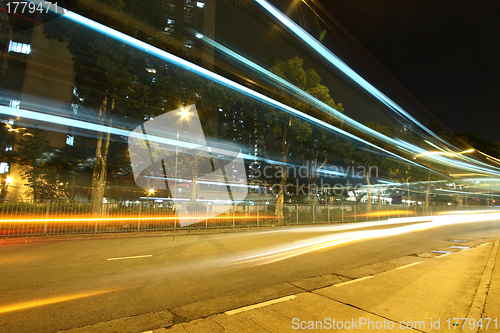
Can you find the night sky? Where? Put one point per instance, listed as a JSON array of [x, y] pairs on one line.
[[446, 53]]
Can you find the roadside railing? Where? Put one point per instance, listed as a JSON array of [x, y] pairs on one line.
[[30, 217]]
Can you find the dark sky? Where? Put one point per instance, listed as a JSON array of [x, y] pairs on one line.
[[446, 53]]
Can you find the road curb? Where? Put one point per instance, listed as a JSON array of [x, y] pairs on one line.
[[132, 234], [477, 307]]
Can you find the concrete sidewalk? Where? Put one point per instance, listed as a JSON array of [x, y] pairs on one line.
[[426, 295]]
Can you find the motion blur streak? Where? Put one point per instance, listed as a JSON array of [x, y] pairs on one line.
[[387, 213], [308, 98], [212, 76], [105, 30], [496, 160], [52, 300], [468, 212], [323, 242], [333, 59], [132, 219], [430, 153], [247, 91]]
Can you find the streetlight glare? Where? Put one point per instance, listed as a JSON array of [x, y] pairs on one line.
[[9, 180], [151, 191], [184, 113]]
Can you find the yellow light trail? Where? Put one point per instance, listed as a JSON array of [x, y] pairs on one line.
[[466, 151], [157, 218], [386, 213], [430, 153], [51, 300], [469, 174], [442, 153], [489, 157], [323, 242]]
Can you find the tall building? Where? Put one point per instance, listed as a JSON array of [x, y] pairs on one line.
[[36, 74], [194, 19]]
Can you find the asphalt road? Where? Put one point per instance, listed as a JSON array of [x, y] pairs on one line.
[[51, 286]]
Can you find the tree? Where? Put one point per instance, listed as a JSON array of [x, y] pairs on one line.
[[289, 132], [51, 173], [475, 140], [111, 77]]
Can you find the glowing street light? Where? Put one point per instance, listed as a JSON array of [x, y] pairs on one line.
[[5, 190], [184, 114], [151, 191]]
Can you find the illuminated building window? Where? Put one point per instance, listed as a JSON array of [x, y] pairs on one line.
[[4, 167], [200, 4], [19, 47], [15, 104]]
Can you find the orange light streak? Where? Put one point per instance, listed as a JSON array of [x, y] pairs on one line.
[[156, 218], [51, 300], [489, 156], [385, 213]]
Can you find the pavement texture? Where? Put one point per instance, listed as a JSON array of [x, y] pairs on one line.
[[448, 293]]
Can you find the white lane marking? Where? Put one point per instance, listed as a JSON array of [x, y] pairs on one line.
[[484, 244], [260, 305], [443, 255], [148, 255], [412, 264], [352, 281]]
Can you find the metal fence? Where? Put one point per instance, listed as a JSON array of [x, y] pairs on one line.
[[54, 217]]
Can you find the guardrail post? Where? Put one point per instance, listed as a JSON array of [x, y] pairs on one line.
[[257, 214], [297, 213], [206, 217], [314, 213], [139, 221], [355, 217], [342, 211], [233, 214], [46, 218], [328, 207]]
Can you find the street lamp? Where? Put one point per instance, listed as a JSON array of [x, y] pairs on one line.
[[184, 114], [151, 191], [5, 190]]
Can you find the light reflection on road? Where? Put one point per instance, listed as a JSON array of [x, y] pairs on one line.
[[285, 251]]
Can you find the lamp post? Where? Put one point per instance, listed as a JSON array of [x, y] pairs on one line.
[[184, 117], [175, 175]]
